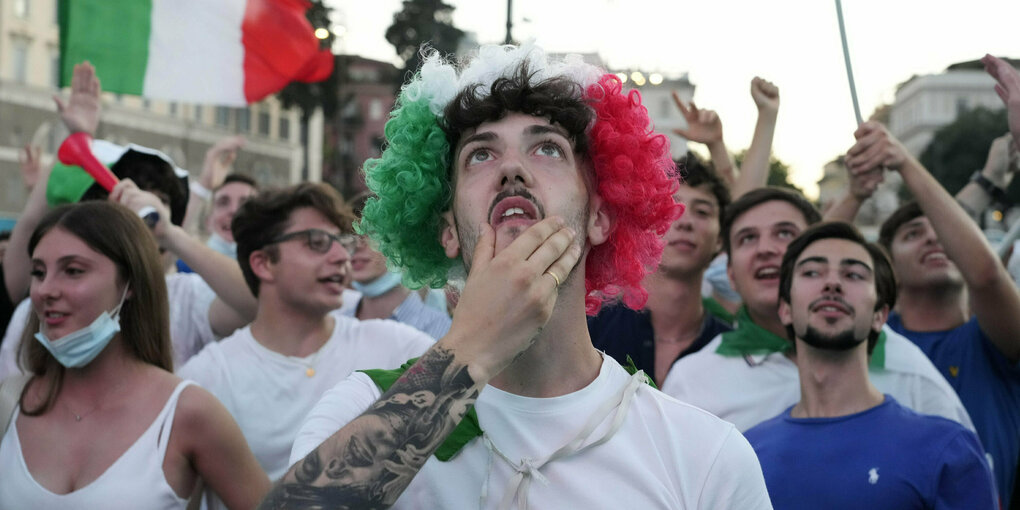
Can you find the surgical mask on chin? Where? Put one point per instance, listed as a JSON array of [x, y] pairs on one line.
[[223, 246], [79, 348], [380, 285]]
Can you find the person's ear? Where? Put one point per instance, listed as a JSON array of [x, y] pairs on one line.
[[600, 222], [785, 313], [261, 264], [448, 236], [879, 318]]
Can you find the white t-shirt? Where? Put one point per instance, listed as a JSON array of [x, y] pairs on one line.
[[748, 391], [666, 454], [190, 330], [270, 394]]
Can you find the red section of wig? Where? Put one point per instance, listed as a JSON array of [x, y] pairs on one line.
[[636, 178]]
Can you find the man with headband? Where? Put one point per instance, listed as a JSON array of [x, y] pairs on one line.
[[548, 174]]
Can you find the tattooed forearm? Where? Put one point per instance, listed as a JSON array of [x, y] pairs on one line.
[[370, 462]]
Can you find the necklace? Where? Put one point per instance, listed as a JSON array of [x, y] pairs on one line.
[[309, 362], [78, 417]]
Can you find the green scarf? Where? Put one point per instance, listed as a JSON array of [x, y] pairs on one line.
[[713, 307], [750, 338]]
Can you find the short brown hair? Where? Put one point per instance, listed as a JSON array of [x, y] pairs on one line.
[[120, 235], [885, 278], [906, 213], [266, 216]]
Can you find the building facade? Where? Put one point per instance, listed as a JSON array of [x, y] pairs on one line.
[[30, 77], [926, 103]]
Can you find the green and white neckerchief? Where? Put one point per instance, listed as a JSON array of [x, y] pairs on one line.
[[754, 343]]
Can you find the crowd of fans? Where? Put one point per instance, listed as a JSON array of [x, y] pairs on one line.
[[272, 345]]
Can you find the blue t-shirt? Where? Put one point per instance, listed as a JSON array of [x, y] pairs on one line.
[[887, 457], [620, 332], [988, 385]]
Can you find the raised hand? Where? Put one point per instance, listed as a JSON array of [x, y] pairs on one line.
[[874, 149], [515, 282], [219, 160], [765, 94], [998, 167], [1007, 85], [31, 167], [128, 194], [81, 111], [703, 126]]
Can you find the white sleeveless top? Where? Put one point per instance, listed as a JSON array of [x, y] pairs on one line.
[[135, 480]]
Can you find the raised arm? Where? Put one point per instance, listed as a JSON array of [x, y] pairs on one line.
[[998, 171], [79, 113], [369, 462], [219, 271], [860, 188], [704, 126], [994, 297], [217, 164], [17, 265], [1007, 85], [754, 170]]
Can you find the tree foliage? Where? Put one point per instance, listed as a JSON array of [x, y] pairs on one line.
[[779, 172], [419, 22], [958, 149]]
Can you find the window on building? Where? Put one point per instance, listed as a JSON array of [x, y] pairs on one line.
[[21, 9], [146, 103], [284, 128], [264, 123], [54, 69], [375, 109], [243, 120], [222, 116], [961, 106], [19, 59], [173, 108], [197, 113]]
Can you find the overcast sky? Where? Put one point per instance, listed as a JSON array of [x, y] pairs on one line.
[[724, 43]]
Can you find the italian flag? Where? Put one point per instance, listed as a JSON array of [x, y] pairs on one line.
[[226, 52]]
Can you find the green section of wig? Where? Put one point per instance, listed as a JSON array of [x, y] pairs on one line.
[[412, 190]]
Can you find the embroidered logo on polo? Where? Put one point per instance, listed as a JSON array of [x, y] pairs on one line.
[[873, 475]]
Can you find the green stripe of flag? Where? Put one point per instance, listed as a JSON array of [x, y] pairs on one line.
[[113, 35]]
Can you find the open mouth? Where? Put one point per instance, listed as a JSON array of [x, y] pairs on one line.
[[516, 207], [831, 306], [767, 273], [934, 256]]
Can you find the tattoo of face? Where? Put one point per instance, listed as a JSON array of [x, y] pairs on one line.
[[370, 462]]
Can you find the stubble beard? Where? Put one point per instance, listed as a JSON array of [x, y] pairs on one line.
[[842, 341]]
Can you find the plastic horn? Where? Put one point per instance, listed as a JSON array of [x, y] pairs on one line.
[[77, 151]]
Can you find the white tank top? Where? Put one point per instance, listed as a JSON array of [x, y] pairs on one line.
[[135, 480]]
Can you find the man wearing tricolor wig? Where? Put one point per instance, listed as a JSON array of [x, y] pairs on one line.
[[544, 180]]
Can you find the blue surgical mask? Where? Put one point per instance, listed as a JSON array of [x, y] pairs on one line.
[[79, 348], [716, 275], [223, 246], [380, 285]]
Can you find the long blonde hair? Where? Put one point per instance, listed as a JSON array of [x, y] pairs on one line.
[[117, 233]]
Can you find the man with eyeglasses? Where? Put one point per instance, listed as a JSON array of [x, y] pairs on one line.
[[294, 247]]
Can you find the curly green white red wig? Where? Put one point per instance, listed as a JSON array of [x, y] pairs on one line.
[[633, 172]]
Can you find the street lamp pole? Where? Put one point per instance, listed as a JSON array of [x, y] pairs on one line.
[[509, 21]]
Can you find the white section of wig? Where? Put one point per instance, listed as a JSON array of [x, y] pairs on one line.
[[438, 79]]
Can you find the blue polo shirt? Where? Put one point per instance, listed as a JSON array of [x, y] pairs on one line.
[[884, 458], [988, 385]]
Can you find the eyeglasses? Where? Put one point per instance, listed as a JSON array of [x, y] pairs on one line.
[[320, 241]]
